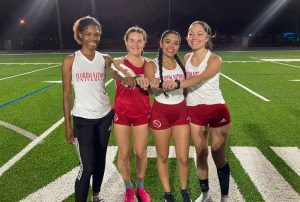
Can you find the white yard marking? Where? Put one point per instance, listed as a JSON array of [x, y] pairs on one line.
[[31, 145], [63, 187], [52, 81], [18, 130], [29, 63], [246, 88], [278, 61], [295, 80], [27, 72], [215, 192], [271, 185], [291, 156]]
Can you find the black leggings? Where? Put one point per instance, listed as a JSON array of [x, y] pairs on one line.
[[91, 140]]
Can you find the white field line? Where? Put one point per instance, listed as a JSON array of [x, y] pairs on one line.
[[279, 59], [276, 61], [295, 80], [243, 61], [18, 130], [271, 185], [247, 89], [235, 194], [28, 63], [290, 155], [27, 73], [63, 187], [31, 145]]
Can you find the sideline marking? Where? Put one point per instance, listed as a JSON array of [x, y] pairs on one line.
[[18, 130], [271, 185], [27, 72], [290, 155], [61, 188], [235, 194], [247, 89], [276, 61], [29, 63], [31, 145], [25, 96]]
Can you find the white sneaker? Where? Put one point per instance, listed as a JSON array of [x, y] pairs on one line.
[[224, 198], [204, 197], [97, 199]]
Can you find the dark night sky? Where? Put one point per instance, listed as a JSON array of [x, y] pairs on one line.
[[225, 16]]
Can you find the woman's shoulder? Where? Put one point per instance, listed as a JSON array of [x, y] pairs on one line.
[[118, 60], [69, 59], [215, 58], [106, 57]]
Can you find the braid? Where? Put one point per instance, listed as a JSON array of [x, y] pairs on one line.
[[160, 68], [160, 64], [184, 72], [180, 64]]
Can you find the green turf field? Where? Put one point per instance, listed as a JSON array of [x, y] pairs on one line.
[[261, 89]]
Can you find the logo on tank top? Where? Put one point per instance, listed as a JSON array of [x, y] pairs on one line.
[[223, 120], [156, 123], [89, 76], [116, 118], [173, 77], [191, 74]]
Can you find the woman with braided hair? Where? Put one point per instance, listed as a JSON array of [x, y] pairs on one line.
[[168, 117], [208, 112]]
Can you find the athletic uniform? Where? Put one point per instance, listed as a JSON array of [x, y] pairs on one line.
[[92, 116], [132, 105], [206, 106], [168, 110]]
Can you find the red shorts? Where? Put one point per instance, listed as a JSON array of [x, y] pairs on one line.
[[128, 121], [164, 116], [214, 116]]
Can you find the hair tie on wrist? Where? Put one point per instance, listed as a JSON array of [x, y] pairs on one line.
[[178, 83]]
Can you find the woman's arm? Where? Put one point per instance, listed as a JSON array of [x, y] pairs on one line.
[[67, 96], [213, 67]]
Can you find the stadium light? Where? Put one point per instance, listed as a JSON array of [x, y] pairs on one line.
[[266, 16], [22, 22]]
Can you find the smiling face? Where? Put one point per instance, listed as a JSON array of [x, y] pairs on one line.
[[90, 37], [135, 43], [170, 44], [197, 36]]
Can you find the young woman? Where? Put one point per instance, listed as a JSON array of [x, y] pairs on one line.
[[168, 116], [132, 108], [92, 112], [209, 115]]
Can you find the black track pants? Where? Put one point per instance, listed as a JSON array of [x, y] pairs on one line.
[[91, 139]]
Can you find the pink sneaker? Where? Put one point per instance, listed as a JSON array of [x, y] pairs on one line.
[[129, 195], [142, 195]]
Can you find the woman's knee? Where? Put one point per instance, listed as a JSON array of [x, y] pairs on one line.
[[183, 161], [162, 158], [123, 155], [140, 154]]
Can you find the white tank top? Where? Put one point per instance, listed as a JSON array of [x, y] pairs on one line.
[[88, 79], [207, 92], [175, 96]]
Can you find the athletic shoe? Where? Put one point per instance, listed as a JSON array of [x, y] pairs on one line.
[[186, 197], [169, 198], [142, 195], [204, 197], [97, 199], [224, 198], [129, 195]]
